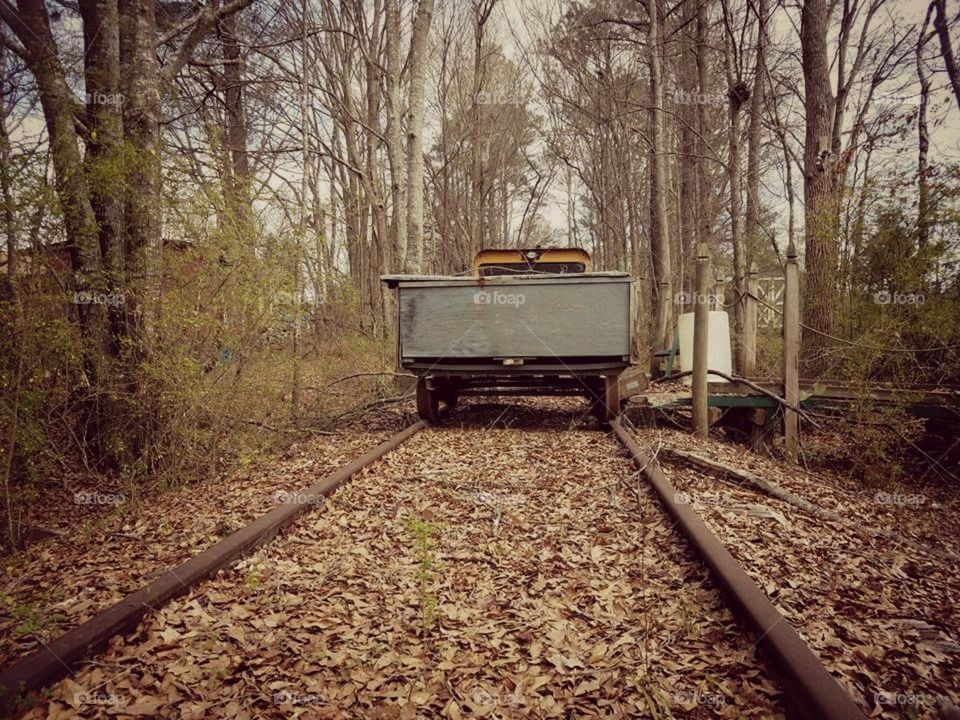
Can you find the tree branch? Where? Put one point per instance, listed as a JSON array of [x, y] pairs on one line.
[[202, 23]]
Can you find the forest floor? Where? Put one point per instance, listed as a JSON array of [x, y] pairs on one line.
[[883, 617], [508, 564], [515, 566], [108, 551]]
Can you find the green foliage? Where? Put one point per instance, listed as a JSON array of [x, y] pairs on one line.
[[35, 619], [254, 577], [904, 297], [207, 389], [424, 544]]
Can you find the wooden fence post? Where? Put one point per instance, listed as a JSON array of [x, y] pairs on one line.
[[749, 368], [791, 345], [701, 330], [716, 299]]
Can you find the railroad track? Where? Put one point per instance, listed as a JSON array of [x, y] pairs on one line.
[[475, 570], [820, 560]]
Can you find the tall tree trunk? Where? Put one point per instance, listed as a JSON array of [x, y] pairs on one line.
[[104, 156], [141, 124], [32, 25], [821, 209], [941, 24], [298, 258], [476, 188], [6, 187], [923, 144], [702, 46], [418, 76], [658, 190], [688, 113], [755, 139], [398, 221], [239, 201], [56, 100], [737, 93]]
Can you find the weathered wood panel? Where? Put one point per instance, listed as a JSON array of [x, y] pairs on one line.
[[564, 319]]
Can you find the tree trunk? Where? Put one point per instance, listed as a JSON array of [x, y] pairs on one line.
[[296, 380], [418, 76], [821, 208], [923, 145], [398, 221], [104, 156], [704, 220], [658, 190], [735, 91], [941, 24], [79, 219], [755, 139], [688, 237], [475, 227], [6, 187], [141, 124], [239, 202]]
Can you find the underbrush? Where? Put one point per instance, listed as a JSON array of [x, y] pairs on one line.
[[218, 396]]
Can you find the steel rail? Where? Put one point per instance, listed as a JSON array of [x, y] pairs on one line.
[[814, 692], [54, 661]]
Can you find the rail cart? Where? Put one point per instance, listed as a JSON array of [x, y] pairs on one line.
[[537, 333]]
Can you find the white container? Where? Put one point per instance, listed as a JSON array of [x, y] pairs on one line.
[[718, 346]]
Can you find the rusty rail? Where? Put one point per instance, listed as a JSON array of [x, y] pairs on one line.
[[52, 662], [814, 692]]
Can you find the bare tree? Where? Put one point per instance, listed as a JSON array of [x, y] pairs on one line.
[[941, 24], [659, 236], [415, 180]]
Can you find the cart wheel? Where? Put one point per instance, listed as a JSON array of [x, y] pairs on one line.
[[428, 401]]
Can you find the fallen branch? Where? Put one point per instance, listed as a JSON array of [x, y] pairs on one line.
[[369, 374], [366, 407], [779, 493]]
